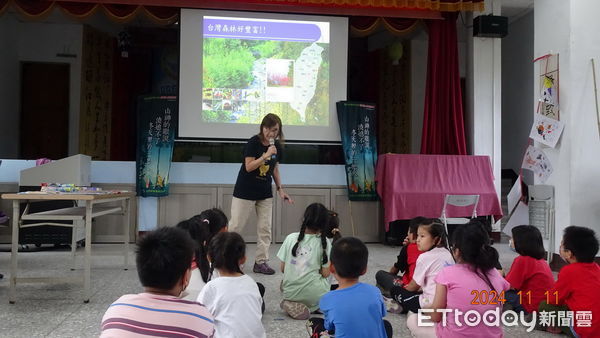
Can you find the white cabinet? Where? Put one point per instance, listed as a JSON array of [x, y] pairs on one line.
[[357, 218], [288, 217], [185, 201]]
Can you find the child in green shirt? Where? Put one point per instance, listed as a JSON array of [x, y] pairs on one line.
[[304, 259]]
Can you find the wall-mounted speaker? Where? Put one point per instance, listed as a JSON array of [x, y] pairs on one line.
[[490, 26]]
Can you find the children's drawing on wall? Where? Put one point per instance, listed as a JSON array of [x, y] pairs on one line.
[[546, 130], [549, 80], [549, 88], [537, 161]]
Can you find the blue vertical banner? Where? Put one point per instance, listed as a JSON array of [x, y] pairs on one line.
[[359, 142], [155, 141]]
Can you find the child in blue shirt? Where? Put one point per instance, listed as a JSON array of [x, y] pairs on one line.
[[354, 309]]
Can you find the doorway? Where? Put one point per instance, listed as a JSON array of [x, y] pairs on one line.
[[44, 127]]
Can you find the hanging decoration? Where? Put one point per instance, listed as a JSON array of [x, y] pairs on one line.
[[546, 130], [548, 101], [395, 52], [96, 94], [166, 12], [357, 130], [537, 161], [155, 142], [547, 127], [39, 10]]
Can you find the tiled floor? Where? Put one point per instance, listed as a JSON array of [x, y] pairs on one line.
[[57, 310]]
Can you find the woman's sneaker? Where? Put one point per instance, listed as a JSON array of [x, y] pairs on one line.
[[392, 306], [295, 310], [263, 268]]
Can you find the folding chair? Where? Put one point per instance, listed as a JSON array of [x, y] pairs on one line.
[[459, 201]]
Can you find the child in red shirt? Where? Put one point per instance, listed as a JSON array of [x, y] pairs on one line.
[[406, 261], [530, 275], [578, 286]]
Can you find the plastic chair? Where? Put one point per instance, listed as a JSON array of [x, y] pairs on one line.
[[459, 201]]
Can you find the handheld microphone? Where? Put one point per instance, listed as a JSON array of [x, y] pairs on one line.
[[272, 143]]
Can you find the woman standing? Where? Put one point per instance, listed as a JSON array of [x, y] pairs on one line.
[[253, 189]]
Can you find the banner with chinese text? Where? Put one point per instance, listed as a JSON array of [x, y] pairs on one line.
[[96, 94], [359, 142], [155, 142]]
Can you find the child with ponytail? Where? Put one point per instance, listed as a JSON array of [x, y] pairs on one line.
[[433, 242], [304, 259], [472, 284], [202, 228], [234, 299]]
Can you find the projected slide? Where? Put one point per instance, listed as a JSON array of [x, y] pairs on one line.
[[253, 66]]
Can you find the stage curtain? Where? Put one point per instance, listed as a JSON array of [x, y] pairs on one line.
[[361, 26], [33, 9], [38, 10], [80, 11], [443, 118], [435, 5], [166, 12]]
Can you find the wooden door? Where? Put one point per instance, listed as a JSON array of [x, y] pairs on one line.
[[44, 128]]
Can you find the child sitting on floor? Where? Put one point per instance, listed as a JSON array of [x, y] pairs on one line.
[[432, 240], [474, 274], [578, 285], [234, 299], [305, 264], [406, 261], [355, 309], [202, 228], [530, 275], [333, 233], [163, 261]]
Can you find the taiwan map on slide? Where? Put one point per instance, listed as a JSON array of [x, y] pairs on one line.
[[252, 66]]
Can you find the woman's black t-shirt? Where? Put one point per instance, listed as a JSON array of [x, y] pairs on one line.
[[256, 185]]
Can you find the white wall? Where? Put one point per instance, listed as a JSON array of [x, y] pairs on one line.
[[9, 88], [123, 172], [575, 160], [581, 111], [484, 97], [553, 38], [517, 91]]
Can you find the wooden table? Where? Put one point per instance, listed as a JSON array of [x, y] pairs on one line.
[[91, 210]]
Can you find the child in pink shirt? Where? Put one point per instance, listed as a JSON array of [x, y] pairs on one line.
[[472, 284], [431, 239]]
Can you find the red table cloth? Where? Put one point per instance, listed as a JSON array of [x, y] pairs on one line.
[[415, 185]]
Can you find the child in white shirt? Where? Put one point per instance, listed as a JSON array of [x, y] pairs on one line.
[[233, 298]]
